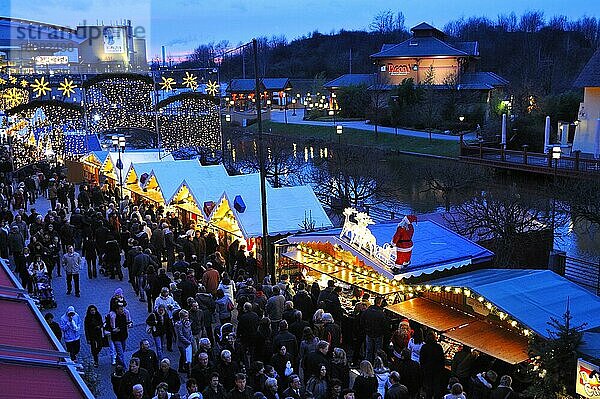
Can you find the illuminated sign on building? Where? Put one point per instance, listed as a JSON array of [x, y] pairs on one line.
[[588, 379], [51, 60], [113, 40], [399, 69]]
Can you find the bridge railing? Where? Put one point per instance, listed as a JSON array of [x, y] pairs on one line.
[[490, 153]]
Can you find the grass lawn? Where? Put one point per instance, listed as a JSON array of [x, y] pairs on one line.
[[365, 138]]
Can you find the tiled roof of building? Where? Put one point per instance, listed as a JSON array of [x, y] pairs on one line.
[[481, 81], [354, 79], [422, 46], [590, 74]]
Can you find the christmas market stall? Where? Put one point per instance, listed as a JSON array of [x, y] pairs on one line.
[[91, 164], [380, 259], [496, 311]]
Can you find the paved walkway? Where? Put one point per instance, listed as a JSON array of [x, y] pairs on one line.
[[98, 292], [279, 116]]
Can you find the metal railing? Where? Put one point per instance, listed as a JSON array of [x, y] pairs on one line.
[[486, 153], [583, 273]]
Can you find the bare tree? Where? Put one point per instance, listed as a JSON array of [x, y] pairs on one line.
[[506, 219], [351, 177], [383, 22], [582, 201], [448, 179], [281, 164]]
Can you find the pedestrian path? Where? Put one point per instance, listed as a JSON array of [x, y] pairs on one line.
[[98, 292], [280, 117]]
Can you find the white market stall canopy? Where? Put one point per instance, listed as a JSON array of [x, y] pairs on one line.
[[532, 297], [289, 209], [130, 157]]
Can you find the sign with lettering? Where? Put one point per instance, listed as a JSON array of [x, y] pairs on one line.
[[51, 60], [588, 379], [398, 69]]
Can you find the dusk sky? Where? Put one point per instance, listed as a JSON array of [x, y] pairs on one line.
[[183, 24]]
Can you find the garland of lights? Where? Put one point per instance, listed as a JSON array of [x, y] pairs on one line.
[[119, 101], [190, 120], [412, 291]]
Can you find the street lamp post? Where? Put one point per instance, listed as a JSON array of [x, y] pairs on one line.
[[284, 98], [293, 107], [339, 129], [556, 153], [118, 143]]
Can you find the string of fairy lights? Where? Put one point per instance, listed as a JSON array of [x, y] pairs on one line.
[[109, 101], [411, 291]]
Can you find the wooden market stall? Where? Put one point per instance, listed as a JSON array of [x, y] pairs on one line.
[[497, 311]]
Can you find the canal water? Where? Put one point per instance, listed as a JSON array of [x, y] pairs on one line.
[[408, 192]]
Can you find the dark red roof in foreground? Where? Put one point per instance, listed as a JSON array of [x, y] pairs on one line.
[[33, 364], [29, 381], [21, 328]]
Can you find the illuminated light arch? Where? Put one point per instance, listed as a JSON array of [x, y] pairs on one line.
[[119, 99], [190, 119]]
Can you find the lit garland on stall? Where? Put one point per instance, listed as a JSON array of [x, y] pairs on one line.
[[414, 290]]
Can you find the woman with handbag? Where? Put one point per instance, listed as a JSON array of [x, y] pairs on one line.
[[93, 331], [159, 323]]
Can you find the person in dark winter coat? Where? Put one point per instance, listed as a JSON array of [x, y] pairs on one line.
[[147, 356], [303, 302], [481, 385], [135, 375], [432, 363], [396, 390], [410, 373], [504, 390], [168, 375], [93, 331], [376, 325]]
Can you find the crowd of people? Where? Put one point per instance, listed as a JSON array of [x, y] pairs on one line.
[[238, 334]]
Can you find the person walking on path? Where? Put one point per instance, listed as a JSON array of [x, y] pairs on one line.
[[70, 324], [93, 331], [72, 265]]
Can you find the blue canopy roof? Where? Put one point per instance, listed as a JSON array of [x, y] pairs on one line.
[[79, 144], [435, 248], [531, 296]]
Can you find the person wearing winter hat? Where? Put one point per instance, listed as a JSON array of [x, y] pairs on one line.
[[70, 324]]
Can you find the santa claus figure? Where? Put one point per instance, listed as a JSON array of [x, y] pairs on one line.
[[403, 240]]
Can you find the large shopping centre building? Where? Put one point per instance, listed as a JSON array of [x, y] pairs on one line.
[[29, 47]]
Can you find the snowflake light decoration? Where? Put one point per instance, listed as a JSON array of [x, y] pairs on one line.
[[13, 97], [212, 88], [190, 81], [2, 81], [12, 79], [41, 87], [24, 83], [67, 88], [167, 83]]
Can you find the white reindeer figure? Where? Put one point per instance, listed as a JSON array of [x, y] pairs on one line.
[[348, 227]]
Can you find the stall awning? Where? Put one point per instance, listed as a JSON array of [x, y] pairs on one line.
[[367, 283], [431, 314], [485, 337], [494, 341]]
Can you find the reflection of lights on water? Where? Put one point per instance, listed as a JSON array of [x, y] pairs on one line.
[[254, 145], [229, 144], [325, 152], [305, 154], [269, 153], [320, 153], [312, 153], [233, 155], [294, 150]]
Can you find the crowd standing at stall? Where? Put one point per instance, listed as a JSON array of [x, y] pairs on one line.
[[238, 334]]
